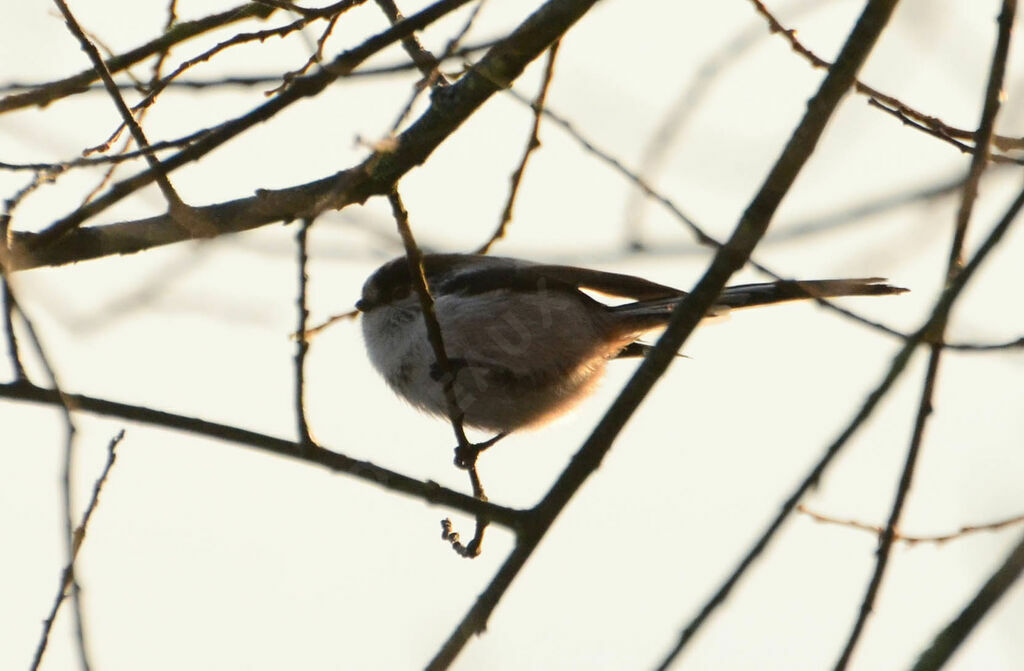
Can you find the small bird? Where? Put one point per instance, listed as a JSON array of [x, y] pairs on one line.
[[525, 340]]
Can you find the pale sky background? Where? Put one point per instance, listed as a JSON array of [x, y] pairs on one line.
[[206, 555]]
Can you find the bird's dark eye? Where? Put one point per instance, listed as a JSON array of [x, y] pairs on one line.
[[399, 292], [388, 285]]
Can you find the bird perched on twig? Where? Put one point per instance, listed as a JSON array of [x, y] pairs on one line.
[[525, 341]]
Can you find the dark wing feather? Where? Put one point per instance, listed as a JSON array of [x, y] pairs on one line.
[[612, 284], [469, 274]]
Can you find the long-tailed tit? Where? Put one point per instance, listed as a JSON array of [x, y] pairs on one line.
[[524, 340]]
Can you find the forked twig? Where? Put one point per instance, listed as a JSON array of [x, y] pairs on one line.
[[465, 452]]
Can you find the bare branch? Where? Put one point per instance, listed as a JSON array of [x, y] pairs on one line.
[[450, 106], [178, 210], [940, 130], [899, 363], [251, 80], [427, 491], [889, 103], [301, 88], [432, 77], [61, 400], [331, 13], [728, 259], [465, 452], [423, 59]]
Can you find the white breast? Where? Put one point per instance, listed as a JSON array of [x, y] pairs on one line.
[[521, 357]]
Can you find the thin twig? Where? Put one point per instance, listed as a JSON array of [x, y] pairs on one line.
[[302, 343], [889, 103], [301, 88], [984, 135], [332, 13], [313, 330], [161, 55], [471, 549], [24, 88], [12, 339], [177, 207], [108, 174], [6, 293], [705, 239], [433, 328], [1016, 343], [67, 481], [45, 93], [423, 59], [940, 133], [81, 161], [67, 575], [316, 57], [885, 541], [531, 145], [702, 237], [329, 12], [433, 78], [912, 539], [144, 150], [896, 368], [924, 409], [291, 7], [465, 452], [955, 267], [503, 63]]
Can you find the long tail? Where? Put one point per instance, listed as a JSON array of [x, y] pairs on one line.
[[768, 293], [752, 295]]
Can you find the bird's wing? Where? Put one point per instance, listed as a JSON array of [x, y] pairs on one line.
[[471, 275], [611, 284]]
